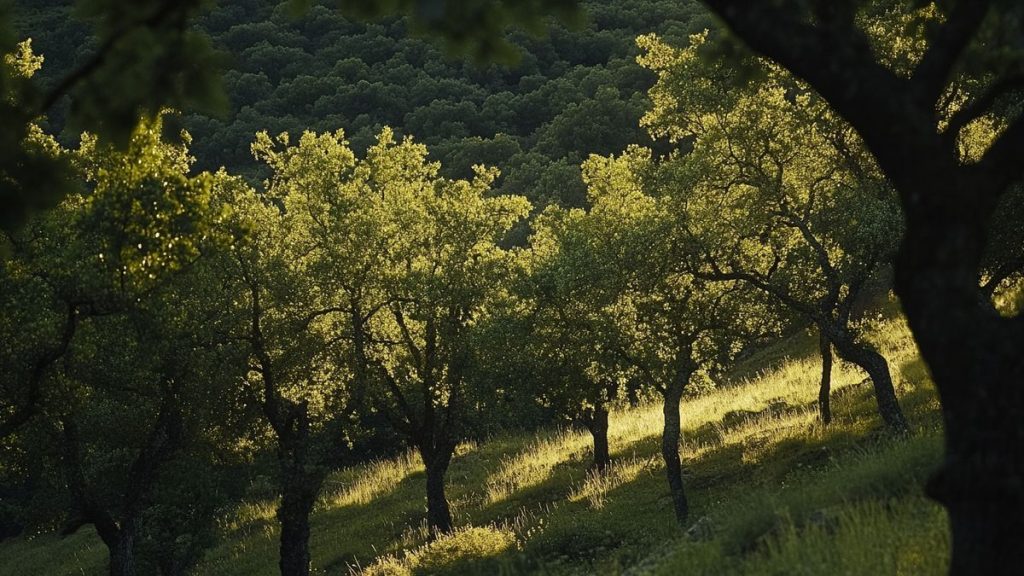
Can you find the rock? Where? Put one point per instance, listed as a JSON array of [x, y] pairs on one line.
[[701, 531]]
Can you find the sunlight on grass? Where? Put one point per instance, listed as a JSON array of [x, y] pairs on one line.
[[596, 487], [784, 494], [447, 554], [900, 537], [251, 514], [534, 465], [364, 484]]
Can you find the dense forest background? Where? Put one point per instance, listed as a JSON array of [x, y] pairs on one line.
[[533, 119]]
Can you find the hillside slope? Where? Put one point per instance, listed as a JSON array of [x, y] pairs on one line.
[[772, 493]]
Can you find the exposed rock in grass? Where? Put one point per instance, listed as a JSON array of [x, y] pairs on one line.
[[702, 531]]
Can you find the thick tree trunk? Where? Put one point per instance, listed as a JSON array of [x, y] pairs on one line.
[[436, 461], [119, 535], [300, 483], [825, 390], [122, 554], [597, 423], [875, 365], [977, 363], [670, 450], [297, 499]]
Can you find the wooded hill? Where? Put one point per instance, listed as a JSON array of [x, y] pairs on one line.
[[535, 119]]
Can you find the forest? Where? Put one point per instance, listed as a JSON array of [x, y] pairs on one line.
[[511, 287]]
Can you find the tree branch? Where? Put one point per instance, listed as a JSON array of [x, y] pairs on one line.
[[28, 409], [935, 67], [975, 109]]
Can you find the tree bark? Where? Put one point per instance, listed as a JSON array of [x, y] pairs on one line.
[[875, 365], [122, 554], [825, 390], [670, 437], [298, 495], [976, 362], [597, 423], [436, 461], [300, 484]]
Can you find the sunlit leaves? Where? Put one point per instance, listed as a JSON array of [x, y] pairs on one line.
[[776, 184], [148, 213]]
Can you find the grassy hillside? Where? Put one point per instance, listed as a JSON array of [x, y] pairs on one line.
[[772, 493]]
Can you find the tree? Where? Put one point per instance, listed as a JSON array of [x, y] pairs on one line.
[[106, 259], [406, 262], [948, 203], [568, 294], [666, 324], [294, 372], [783, 198], [445, 268]]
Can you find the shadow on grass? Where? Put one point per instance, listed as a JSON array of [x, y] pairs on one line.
[[741, 478], [792, 476]]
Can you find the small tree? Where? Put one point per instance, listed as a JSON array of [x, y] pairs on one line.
[[108, 259], [294, 373], [783, 197], [666, 325], [569, 291]]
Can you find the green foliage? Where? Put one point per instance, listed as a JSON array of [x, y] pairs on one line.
[[32, 175], [779, 192], [144, 58], [164, 329], [121, 385], [322, 72], [476, 27]]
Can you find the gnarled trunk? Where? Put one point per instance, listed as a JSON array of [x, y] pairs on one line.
[[976, 360], [596, 422], [670, 437], [119, 534], [875, 365], [825, 390]]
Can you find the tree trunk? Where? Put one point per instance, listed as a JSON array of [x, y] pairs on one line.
[[122, 556], [975, 358], [597, 423], [297, 499], [875, 365], [825, 390], [300, 484], [670, 450], [436, 461]]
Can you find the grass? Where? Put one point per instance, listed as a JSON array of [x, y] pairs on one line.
[[775, 492]]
